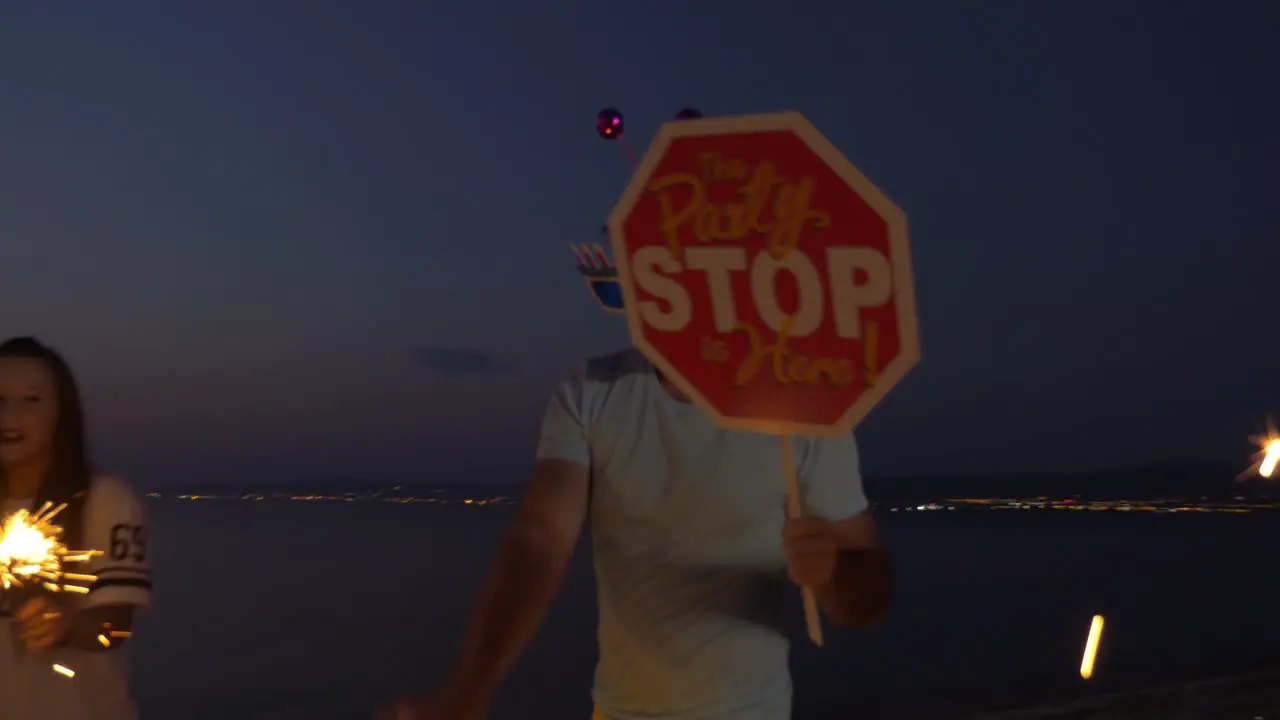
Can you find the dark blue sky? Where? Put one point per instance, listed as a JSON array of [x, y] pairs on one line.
[[240, 219]]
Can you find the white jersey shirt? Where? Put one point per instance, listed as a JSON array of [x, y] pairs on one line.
[[114, 523]]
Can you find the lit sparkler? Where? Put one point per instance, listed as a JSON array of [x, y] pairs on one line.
[[1270, 456], [1266, 460], [1091, 647], [32, 553]]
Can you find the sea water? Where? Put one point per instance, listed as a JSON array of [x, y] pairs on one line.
[[316, 610]]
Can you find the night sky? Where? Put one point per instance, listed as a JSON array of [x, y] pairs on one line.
[[293, 240]]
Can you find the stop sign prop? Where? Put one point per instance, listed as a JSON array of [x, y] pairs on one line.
[[766, 277]]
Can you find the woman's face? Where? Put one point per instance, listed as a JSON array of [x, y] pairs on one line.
[[28, 411]]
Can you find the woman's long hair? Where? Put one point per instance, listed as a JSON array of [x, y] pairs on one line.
[[67, 480]]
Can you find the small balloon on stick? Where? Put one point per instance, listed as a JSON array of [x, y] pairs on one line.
[[609, 126], [610, 123]]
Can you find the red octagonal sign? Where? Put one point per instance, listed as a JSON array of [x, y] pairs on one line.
[[765, 275]]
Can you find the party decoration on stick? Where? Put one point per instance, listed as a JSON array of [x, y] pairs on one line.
[[600, 275], [609, 126], [610, 123], [767, 278], [592, 262]]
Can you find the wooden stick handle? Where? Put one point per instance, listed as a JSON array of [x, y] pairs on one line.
[[812, 620]]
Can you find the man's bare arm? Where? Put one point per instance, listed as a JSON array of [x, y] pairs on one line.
[[526, 575], [860, 586]]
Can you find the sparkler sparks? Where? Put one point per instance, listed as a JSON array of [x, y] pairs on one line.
[[1266, 460], [1270, 456], [31, 552], [107, 635], [1091, 647]]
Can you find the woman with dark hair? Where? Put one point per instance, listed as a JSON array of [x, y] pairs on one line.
[[44, 458]]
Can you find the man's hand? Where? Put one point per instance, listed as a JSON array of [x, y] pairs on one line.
[[531, 562], [812, 549], [843, 564]]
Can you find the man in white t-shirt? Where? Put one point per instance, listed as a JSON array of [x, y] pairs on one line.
[[693, 550]]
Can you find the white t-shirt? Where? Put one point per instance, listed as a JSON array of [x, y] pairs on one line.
[[114, 523]]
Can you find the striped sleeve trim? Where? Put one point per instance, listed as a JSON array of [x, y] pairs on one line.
[[121, 577], [122, 570], [133, 582]]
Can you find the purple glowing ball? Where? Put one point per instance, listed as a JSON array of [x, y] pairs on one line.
[[609, 124]]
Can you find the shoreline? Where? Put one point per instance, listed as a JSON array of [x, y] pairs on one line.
[[1247, 695]]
